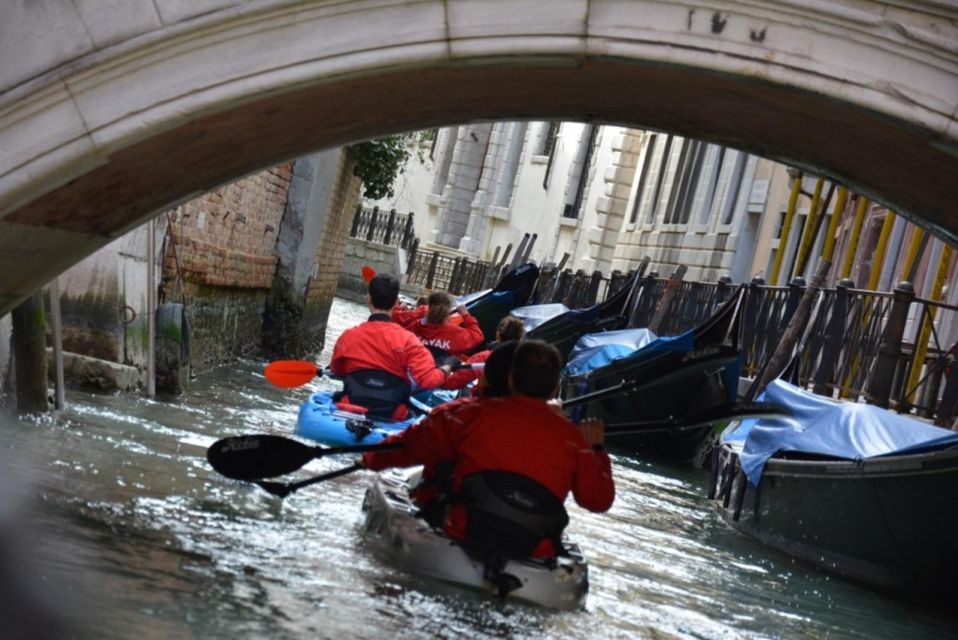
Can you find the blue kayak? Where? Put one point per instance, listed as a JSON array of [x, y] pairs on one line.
[[321, 420]]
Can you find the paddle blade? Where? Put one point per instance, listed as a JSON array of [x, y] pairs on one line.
[[290, 373], [257, 456], [368, 273]]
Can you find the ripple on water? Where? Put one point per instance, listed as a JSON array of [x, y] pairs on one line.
[[145, 541]]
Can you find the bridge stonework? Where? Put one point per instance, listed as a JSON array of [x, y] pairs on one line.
[[111, 112]]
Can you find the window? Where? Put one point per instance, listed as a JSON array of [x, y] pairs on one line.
[[580, 175], [510, 166], [734, 188], [670, 160], [447, 147], [711, 167], [688, 183], [547, 147], [643, 176], [659, 158]]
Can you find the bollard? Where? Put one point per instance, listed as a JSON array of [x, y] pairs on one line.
[[834, 338], [889, 351]]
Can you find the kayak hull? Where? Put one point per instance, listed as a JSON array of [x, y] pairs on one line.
[[394, 533], [320, 420]]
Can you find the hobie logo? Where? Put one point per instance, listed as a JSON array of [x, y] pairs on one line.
[[240, 444], [701, 353]]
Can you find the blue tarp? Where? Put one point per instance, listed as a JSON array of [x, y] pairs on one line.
[[830, 427], [599, 349], [534, 315]]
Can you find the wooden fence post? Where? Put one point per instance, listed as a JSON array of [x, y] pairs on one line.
[[834, 337], [671, 289], [431, 276], [407, 233], [357, 219], [945, 411], [389, 226], [372, 224], [889, 351]]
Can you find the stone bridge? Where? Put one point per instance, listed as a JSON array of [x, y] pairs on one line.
[[114, 110]]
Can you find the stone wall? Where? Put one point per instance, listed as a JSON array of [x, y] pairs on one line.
[[359, 253], [219, 260]]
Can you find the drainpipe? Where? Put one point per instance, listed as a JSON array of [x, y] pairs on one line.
[[786, 228], [150, 309], [878, 260], [56, 329], [829, 247], [856, 234], [921, 342]]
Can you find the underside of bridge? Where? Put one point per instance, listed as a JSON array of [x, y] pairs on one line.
[[64, 194]]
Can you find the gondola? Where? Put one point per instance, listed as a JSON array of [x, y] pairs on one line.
[[512, 290], [853, 488], [682, 378], [566, 328]]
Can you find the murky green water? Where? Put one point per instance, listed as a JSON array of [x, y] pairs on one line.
[[114, 527]]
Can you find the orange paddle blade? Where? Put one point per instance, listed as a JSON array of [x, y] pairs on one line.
[[290, 373], [368, 273]]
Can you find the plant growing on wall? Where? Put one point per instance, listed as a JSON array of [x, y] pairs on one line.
[[378, 162]]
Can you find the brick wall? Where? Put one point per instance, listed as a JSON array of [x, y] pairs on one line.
[[221, 247]]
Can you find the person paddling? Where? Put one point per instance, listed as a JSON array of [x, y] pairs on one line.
[[443, 337], [516, 441], [378, 359], [509, 329]]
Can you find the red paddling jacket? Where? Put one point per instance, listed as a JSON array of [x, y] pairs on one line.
[[381, 345], [516, 434], [402, 316], [454, 339], [461, 378]]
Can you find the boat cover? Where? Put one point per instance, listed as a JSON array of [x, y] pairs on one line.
[[471, 297], [599, 349], [830, 427], [534, 315]]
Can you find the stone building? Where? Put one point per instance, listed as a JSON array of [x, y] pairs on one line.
[[249, 268]]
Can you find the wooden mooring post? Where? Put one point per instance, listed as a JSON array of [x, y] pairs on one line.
[[889, 350]]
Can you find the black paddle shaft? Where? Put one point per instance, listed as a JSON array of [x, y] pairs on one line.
[[255, 457]]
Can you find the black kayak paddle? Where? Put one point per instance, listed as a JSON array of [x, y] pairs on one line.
[[255, 457]]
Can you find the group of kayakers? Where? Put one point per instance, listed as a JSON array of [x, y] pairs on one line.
[[476, 451]]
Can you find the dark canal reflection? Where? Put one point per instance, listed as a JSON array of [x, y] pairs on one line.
[[114, 527]]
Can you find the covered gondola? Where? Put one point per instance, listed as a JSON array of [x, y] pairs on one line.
[[566, 328], [679, 379], [513, 290], [852, 488]]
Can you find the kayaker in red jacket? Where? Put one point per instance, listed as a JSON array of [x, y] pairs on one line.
[[509, 329], [431, 492], [443, 337], [402, 314], [518, 434], [378, 359]]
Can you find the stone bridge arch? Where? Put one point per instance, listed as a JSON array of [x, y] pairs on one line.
[[113, 110]]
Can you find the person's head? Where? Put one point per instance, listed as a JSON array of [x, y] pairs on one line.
[[421, 300], [383, 291], [440, 306], [510, 328], [535, 370], [495, 373]]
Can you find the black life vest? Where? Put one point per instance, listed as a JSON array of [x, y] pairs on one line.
[[379, 391], [509, 514]]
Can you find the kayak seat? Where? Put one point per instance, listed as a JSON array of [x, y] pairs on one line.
[[380, 392], [508, 514]]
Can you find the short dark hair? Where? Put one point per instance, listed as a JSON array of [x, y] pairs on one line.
[[383, 290], [510, 328], [535, 369], [496, 370]]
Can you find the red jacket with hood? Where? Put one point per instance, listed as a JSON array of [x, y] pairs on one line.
[[450, 337], [518, 434]]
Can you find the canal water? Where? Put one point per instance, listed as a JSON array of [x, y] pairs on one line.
[[113, 526]]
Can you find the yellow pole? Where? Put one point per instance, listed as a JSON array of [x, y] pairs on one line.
[[810, 224], [786, 228], [878, 261], [913, 252], [829, 247], [921, 343], [852, 247]]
